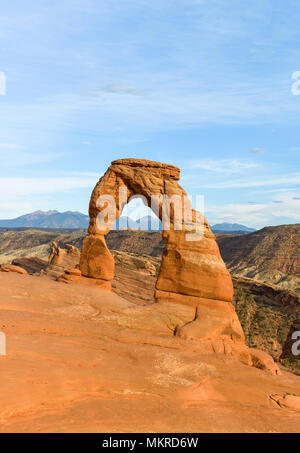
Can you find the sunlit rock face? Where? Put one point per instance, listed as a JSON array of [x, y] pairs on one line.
[[192, 272]]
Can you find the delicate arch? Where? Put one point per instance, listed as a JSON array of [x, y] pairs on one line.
[[189, 269]]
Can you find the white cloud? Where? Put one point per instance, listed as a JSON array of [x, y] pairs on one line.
[[193, 181], [257, 215], [221, 166], [11, 187], [22, 158], [22, 195]]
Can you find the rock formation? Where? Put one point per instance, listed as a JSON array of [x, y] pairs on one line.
[[271, 255], [62, 259], [80, 359], [12, 268], [189, 268], [192, 272], [32, 264]]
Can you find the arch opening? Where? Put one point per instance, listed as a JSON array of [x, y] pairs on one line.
[[137, 215]]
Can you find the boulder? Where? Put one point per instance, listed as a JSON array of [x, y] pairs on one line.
[[32, 264], [264, 361], [12, 268]]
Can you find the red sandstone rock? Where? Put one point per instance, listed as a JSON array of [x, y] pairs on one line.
[[287, 401], [290, 402], [264, 361], [63, 258], [12, 268], [80, 359], [76, 272], [96, 260], [192, 272], [188, 268]]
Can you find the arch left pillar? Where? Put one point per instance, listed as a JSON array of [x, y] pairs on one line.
[[96, 261]]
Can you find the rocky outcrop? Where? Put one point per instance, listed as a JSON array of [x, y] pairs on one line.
[[264, 361], [62, 259], [32, 265], [12, 268], [270, 255], [192, 272], [272, 295]]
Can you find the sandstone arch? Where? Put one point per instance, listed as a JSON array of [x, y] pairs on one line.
[[192, 273], [189, 269]]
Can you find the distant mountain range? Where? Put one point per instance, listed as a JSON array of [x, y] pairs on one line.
[[71, 219], [231, 228], [49, 219], [147, 223]]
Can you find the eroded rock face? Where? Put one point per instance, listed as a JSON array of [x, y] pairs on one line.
[[192, 272], [62, 259], [264, 361], [191, 268]]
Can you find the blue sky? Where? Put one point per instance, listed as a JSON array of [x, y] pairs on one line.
[[203, 84]]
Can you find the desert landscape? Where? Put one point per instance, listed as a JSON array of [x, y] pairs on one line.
[[149, 222], [142, 346]]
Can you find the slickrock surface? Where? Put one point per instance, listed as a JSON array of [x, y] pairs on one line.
[[80, 359]]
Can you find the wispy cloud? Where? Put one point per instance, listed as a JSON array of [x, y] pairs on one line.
[[257, 150], [28, 194], [121, 89], [221, 166], [193, 181], [188, 75], [16, 187], [258, 214]]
